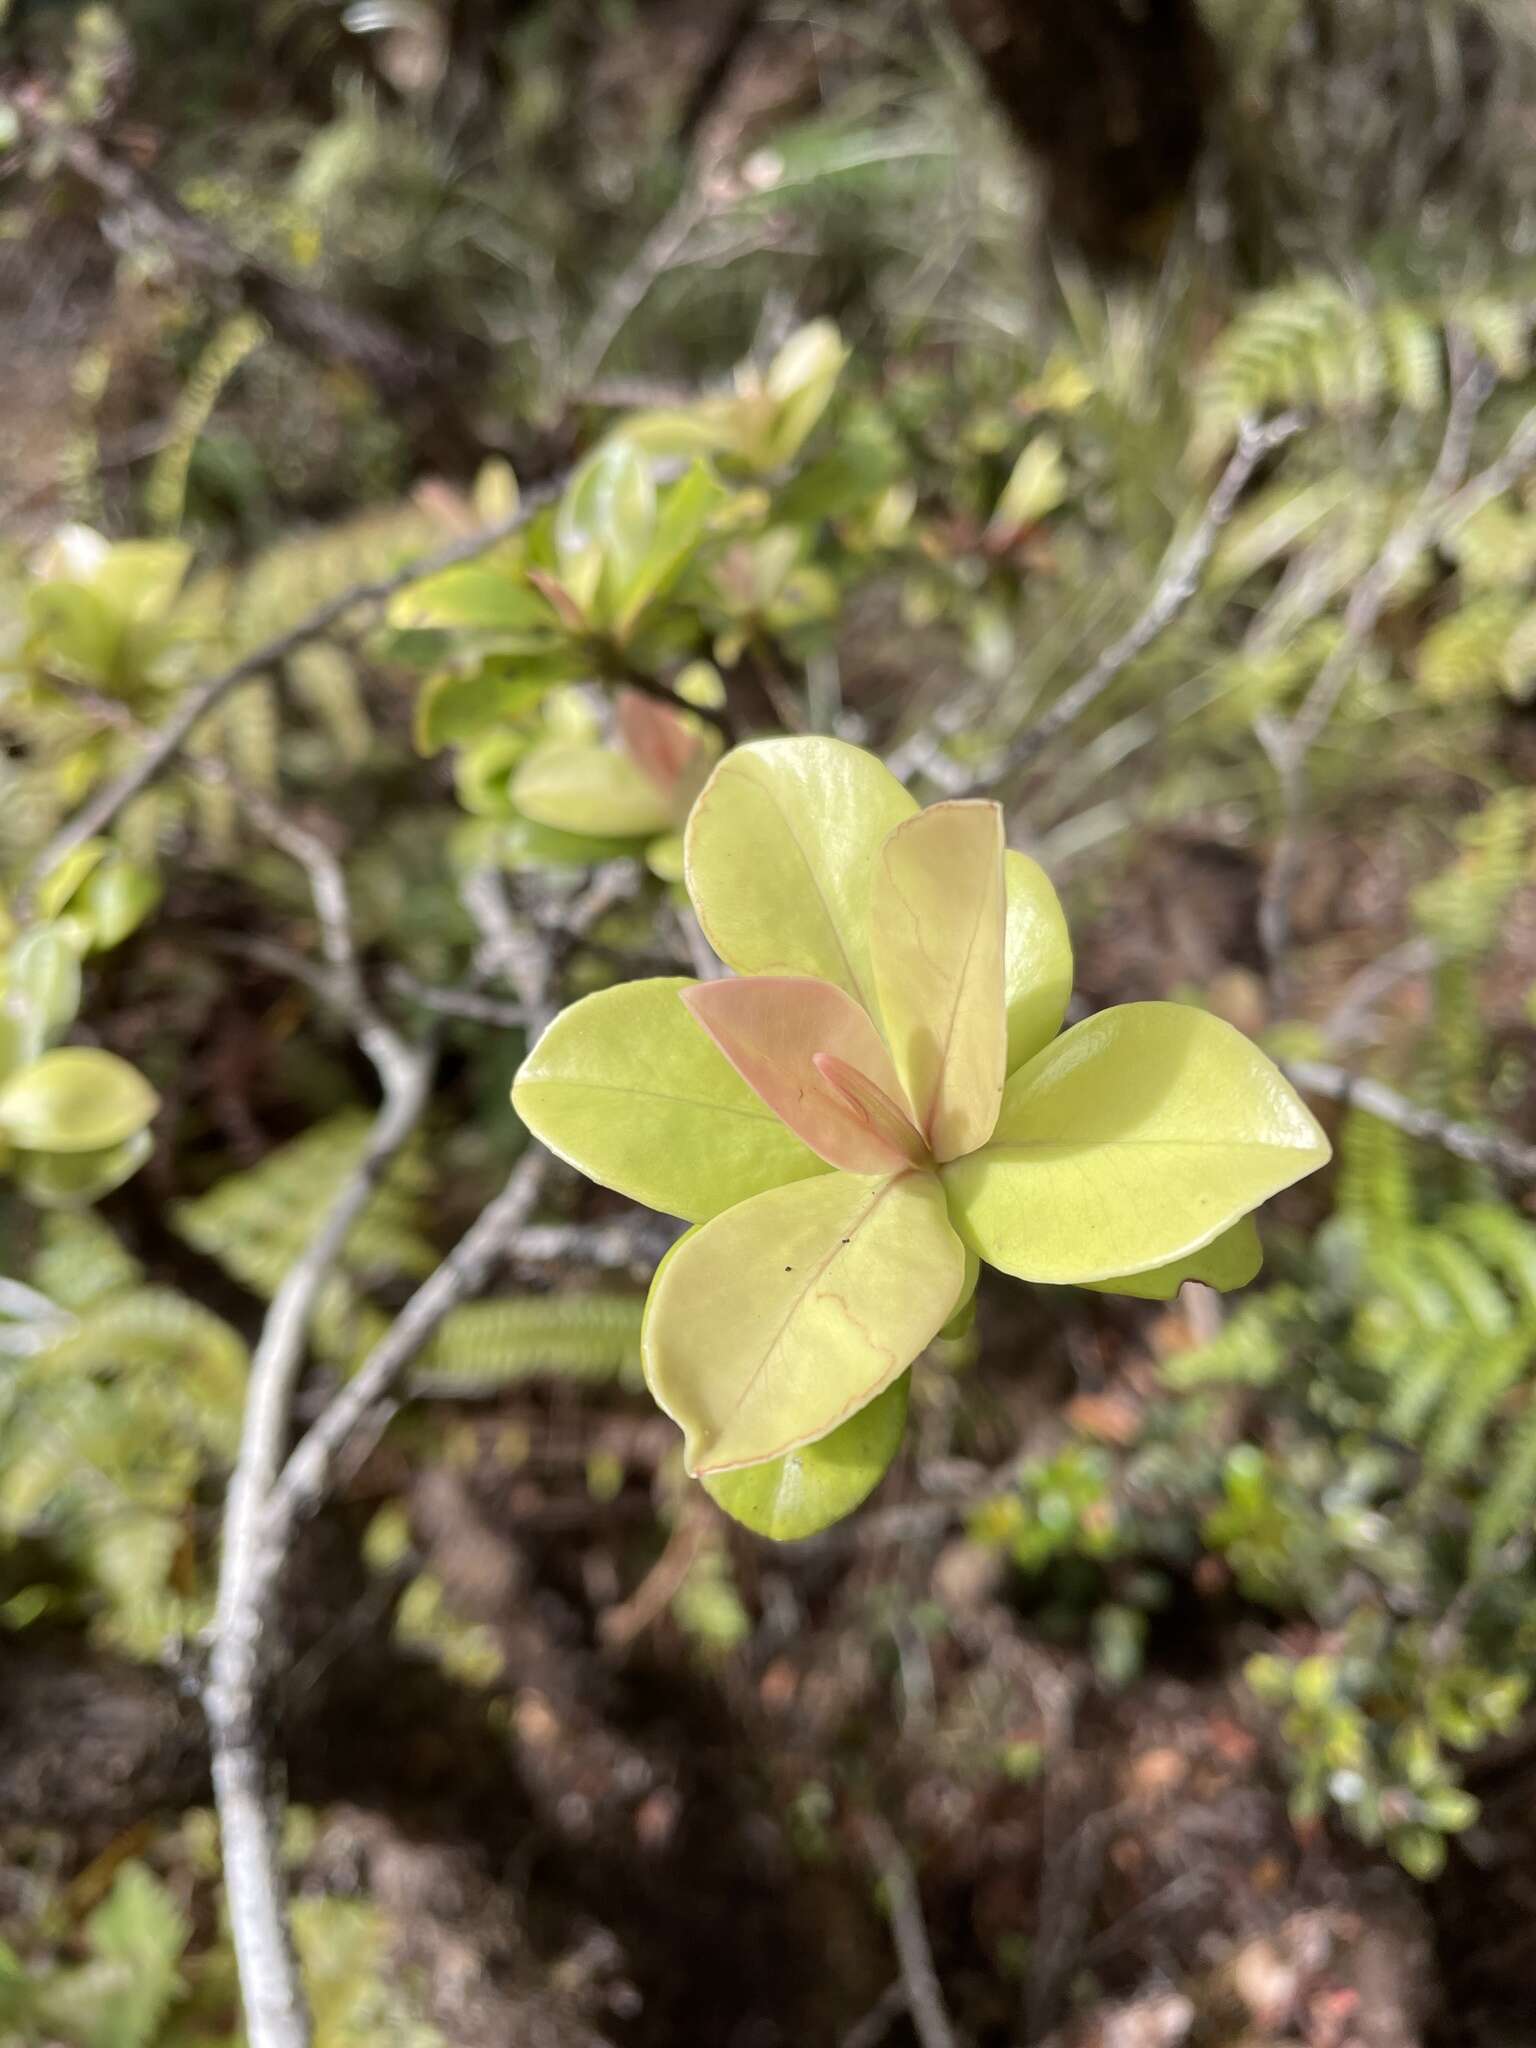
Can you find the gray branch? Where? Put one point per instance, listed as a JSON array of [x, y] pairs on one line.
[[1178, 582], [1507, 1155], [1176, 587], [920, 1981], [276, 2015], [99, 810], [366, 1399], [1444, 503]]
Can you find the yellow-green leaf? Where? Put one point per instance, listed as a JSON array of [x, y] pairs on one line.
[[78, 1099], [801, 379], [140, 578], [1228, 1261], [795, 1496], [74, 631], [684, 513], [936, 940], [1037, 486], [626, 1087], [606, 520], [115, 900], [70, 1180], [664, 857], [772, 1325], [61, 881], [579, 788], [451, 709], [1037, 959], [476, 598], [40, 984], [1135, 1139], [779, 852]]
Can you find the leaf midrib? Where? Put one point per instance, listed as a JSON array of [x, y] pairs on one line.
[[763, 1115]]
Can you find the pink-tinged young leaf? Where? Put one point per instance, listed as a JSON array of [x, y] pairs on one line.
[[936, 939], [626, 1087], [657, 740], [1037, 959], [1228, 1261], [874, 1108], [570, 612], [771, 1028], [1136, 1139], [779, 851], [770, 1326]]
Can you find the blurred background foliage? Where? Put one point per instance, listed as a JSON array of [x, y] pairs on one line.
[[918, 334]]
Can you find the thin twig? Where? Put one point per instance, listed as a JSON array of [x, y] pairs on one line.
[[1398, 555], [276, 2016], [366, 1398], [467, 1003], [1347, 1022], [340, 981], [925, 2000], [623, 1625], [1443, 504], [1506, 1155], [267, 1497], [509, 951], [701, 955], [1176, 586], [661, 249], [384, 1046], [249, 1569], [636, 1242], [872, 2029], [97, 813]]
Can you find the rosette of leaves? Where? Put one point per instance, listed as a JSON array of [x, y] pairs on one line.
[[95, 622], [74, 1120], [758, 427], [624, 575], [583, 594], [564, 793], [876, 1103], [112, 617]]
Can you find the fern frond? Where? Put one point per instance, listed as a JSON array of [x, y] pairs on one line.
[[1375, 1171], [324, 681], [1463, 907], [194, 1357], [81, 1260], [1510, 1498], [298, 575], [232, 342], [489, 1344], [1506, 1243], [257, 1223], [1308, 343], [1501, 328], [1464, 655], [1420, 1383], [1252, 1350], [1485, 1377], [1472, 1289], [1415, 357], [244, 732]]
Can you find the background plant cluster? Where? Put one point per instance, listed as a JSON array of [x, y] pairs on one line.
[[789, 420]]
